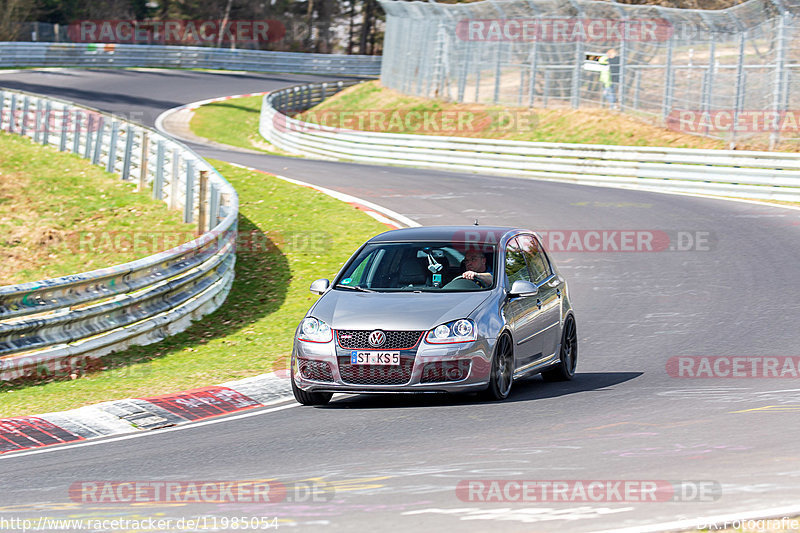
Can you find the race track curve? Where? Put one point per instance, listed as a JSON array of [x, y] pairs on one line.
[[395, 461]]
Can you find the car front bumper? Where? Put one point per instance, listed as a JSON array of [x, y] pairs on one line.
[[324, 367]]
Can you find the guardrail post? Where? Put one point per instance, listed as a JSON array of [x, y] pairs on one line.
[[13, 118], [323, 92], [98, 140], [48, 110], [158, 184], [23, 127], [143, 162], [112, 147], [201, 202], [62, 142], [213, 208], [2, 107], [128, 155], [174, 179], [87, 149], [37, 122], [188, 202], [76, 133]]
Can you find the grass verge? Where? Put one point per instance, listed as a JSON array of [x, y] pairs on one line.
[[370, 106], [233, 122], [302, 235], [45, 195]]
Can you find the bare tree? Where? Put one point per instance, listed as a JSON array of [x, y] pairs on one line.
[[12, 12]]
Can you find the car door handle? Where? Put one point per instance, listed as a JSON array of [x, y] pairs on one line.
[[538, 303], [558, 292]]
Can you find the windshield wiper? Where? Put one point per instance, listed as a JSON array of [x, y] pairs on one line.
[[354, 288]]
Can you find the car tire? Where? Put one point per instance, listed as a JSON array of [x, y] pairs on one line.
[[310, 398], [564, 370], [502, 375]]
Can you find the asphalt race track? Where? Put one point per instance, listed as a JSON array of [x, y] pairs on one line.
[[394, 461]]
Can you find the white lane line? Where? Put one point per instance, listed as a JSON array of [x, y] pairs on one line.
[[182, 427], [693, 523]]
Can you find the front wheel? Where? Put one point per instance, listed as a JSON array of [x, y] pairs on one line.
[[309, 398], [564, 370], [502, 374]]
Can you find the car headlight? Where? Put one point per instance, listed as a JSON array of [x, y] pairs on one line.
[[313, 330], [457, 331]]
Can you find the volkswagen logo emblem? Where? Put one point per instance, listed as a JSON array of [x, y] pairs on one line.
[[377, 338]]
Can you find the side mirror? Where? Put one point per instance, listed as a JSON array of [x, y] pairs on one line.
[[523, 288], [319, 286]]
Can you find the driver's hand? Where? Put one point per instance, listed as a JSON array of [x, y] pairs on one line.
[[469, 274]]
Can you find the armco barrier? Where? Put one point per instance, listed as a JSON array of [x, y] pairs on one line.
[[59, 323], [18, 54], [743, 174]]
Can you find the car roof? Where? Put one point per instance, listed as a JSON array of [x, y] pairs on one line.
[[483, 234]]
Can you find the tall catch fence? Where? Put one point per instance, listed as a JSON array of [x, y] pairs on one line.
[[729, 74]]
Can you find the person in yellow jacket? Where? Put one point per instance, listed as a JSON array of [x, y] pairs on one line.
[[609, 77]]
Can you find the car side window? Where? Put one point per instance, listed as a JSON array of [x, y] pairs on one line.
[[537, 262], [516, 268]]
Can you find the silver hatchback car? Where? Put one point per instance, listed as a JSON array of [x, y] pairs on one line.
[[437, 309]]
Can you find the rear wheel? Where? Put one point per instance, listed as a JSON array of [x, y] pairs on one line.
[[502, 374], [568, 358], [309, 398]]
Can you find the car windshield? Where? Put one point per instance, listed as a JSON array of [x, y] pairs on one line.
[[419, 266]]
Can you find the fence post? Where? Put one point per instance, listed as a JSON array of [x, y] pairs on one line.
[[188, 202], [532, 78], [739, 101], [37, 121], [23, 127], [112, 147], [48, 110], [87, 150], [709, 78], [213, 208], [158, 185], [76, 134], [98, 140], [13, 117], [2, 107], [174, 179], [144, 160], [62, 145], [669, 82], [126, 158], [202, 206], [777, 87]]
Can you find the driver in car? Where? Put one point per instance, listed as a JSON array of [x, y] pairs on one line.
[[475, 264]]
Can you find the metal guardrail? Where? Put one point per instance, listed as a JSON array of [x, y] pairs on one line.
[[743, 174], [58, 323], [23, 54]]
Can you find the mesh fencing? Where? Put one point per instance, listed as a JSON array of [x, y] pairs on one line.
[[730, 74]]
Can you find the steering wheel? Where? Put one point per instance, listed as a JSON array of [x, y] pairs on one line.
[[476, 281]]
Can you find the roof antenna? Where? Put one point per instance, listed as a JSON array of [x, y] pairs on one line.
[[476, 223]]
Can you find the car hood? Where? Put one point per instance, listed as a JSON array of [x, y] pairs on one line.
[[395, 311]]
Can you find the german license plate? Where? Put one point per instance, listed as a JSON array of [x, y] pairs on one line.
[[375, 358]]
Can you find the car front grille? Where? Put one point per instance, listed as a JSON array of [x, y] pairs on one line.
[[357, 339], [315, 370], [444, 371], [376, 374]]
